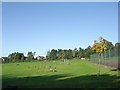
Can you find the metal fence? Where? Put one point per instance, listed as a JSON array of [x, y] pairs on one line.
[[109, 58]]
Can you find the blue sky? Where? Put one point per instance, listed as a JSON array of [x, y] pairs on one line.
[[41, 26]]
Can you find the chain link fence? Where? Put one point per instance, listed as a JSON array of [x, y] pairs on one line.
[[109, 58]]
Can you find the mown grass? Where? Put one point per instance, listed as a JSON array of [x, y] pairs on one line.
[[72, 74]]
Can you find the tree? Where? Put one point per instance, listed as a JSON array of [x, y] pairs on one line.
[[53, 54], [16, 57], [75, 53], [59, 53], [63, 55], [34, 54], [88, 52], [48, 55], [70, 54], [100, 46], [81, 53], [30, 56]]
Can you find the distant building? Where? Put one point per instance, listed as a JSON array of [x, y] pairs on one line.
[[2, 59], [41, 58], [82, 58]]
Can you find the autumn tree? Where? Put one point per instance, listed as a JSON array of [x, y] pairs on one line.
[[101, 46]]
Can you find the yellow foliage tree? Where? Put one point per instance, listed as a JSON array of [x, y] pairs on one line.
[[100, 46]]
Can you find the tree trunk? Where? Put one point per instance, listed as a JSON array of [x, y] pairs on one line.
[[99, 66]]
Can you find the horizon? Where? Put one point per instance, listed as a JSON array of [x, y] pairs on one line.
[[25, 54], [40, 27]]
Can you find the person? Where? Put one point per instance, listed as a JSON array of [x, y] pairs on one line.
[[50, 68], [55, 70]]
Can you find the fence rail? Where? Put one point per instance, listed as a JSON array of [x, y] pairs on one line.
[[109, 58]]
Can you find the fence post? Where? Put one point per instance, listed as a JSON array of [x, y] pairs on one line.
[[115, 58], [105, 58], [109, 57], [99, 65]]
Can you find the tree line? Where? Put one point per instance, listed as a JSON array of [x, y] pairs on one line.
[[19, 57], [51, 55], [62, 54]]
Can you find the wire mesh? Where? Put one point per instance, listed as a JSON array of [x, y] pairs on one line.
[[109, 58]]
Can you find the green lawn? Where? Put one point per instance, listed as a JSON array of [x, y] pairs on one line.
[[76, 74]]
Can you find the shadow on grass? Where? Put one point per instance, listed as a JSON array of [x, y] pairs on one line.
[[59, 81]]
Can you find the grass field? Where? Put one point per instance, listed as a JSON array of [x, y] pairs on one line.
[[72, 74]]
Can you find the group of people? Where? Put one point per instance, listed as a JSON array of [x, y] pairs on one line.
[[52, 69]]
